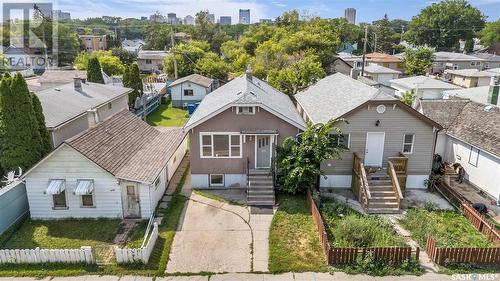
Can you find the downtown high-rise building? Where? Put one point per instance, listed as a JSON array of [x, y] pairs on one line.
[[244, 16], [350, 15], [225, 20]]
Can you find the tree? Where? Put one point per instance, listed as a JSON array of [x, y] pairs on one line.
[[408, 97], [490, 34], [299, 159], [469, 45], [385, 35], [443, 24], [212, 66], [125, 56], [186, 54], [46, 144], [417, 61], [110, 64], [94, 72], [132, 79]]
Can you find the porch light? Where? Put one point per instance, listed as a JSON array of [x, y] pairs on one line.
[[377, 123]]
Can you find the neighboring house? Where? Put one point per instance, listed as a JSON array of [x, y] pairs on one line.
[[190, 89], [454, 61], [340, 65], [71, 108], [236, 128], [424, 87], [151, 61], [389, 61], [132, 46], [378, 126], [469, 78], [471, 138], [380, 73], [24, 60], [117, 169], [490, 60], [484, 94], [54, 78], [94, 42]]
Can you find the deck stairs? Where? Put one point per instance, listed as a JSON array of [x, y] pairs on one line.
[[383, 197]]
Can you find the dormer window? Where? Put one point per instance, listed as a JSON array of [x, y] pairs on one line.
[[245, 110]]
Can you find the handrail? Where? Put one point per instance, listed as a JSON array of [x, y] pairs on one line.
[[365, 179], [248, 172], [148, 228], [360, 172], [394, 179]]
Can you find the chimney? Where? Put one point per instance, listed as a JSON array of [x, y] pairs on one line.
[[248, 73], [494, 90], [354, 73], [78, 83]]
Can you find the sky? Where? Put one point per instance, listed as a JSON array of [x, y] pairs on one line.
[[367, 10]]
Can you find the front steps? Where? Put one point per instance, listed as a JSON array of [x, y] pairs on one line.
[[383, 198], [260, 189]]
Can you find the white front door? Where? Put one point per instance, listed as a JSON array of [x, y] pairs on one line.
[[263, 152], [374, 151], [132, 208]]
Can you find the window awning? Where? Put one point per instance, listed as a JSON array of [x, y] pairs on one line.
[[55, 187], [84, 187]]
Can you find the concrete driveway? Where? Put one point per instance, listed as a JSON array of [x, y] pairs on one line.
[[212, 237]]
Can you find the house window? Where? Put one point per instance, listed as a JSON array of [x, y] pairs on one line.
[[188, 93], [408, 141], [343, 140], [149, 62], [87, 200], [245, 110], [220, 146], [110, 105], [60, 200], [216, 180], [472, 63], [473, 156]]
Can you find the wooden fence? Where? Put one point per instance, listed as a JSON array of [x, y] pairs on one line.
[[127, 255], [336, 255], [32, 256], [477, 256]]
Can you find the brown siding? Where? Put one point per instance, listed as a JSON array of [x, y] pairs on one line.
[[395, 123], [229, 121]]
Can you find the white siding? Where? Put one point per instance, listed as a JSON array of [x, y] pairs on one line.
[[66, 163], [485, 175], [117, 105], [69, 130], [178, 97], [176, 159]]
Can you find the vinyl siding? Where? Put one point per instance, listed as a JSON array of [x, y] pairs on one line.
[[117, 105], [66, 163], [69, 130], [178, 98]]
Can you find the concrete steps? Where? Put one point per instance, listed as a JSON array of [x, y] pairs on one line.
[[260, 189]]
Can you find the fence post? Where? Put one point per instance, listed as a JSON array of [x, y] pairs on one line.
[[89, 258], [417, 253]]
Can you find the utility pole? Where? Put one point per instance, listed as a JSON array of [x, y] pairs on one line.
[[402, 32], [375, 44], [173, 54], [365, 41]]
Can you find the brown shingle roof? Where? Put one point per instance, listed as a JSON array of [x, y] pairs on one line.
[[443, 111], [127, 147]]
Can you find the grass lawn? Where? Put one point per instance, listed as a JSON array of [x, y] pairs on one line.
[[63, 234], [449, 228], [167, 116], [293, 239], [347, 228]]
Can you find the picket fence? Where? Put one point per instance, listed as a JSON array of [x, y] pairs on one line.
[[32, 256], [470, 255], [131, 255]]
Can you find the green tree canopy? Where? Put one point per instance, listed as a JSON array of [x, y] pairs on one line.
[[443, 24], [110, 64], [385, 35], [132, 79], [46, 144], [491, 33], [187, 55], [417, 61], [94, 73], [211, 65]]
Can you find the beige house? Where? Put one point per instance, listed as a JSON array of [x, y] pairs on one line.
[[94, 42], [454, 61], [469, 78], [151, 61]]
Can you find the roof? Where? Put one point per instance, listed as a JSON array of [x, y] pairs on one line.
[[450, 56], [61, 76], [128, 147], [381, 57], [471, 122], [243, 91], [423, 82], [153, 55], [63, 103], [375, 68], [335, 95], [473, 72], [132, 43], [194, 78], [488, 57], [495, 71], [443, 112], [477, 94]]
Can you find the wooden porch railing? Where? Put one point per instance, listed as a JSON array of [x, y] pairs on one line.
[[400, 164], [395, 182], [360, 182]]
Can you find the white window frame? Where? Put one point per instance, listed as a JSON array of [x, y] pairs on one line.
[[216, 184], [343, 135], [245, 112], [474, 162], [229, 134], [406, 143], [184, 92]]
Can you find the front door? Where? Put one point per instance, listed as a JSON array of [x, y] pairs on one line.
[[374, 151], [263, 147], [132, 203]]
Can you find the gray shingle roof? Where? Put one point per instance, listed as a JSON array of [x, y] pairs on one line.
[[450, 56], [61, 76], [375, 68], [335, 95], [240, 91], [470, 73], [194, 78], [127, 147], [488, 57], [423, 82], [477, 94], [64, 103], [152, 55]]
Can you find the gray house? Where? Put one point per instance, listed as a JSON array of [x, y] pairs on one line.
[[190, 89], [233, 134], [380, 129]]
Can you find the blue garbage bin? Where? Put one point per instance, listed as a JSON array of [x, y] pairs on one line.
[[191, 108]]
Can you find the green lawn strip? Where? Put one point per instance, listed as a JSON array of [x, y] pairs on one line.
[[449, 228], [293, 239], [167, 116], [348, 228]]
